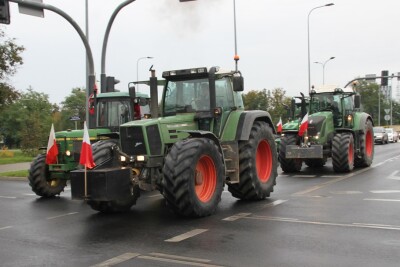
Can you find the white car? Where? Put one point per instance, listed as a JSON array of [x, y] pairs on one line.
[[393, 136]]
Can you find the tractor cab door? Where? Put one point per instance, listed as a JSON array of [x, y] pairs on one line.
[[224, 102]]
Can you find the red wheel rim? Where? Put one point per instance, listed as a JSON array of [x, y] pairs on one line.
[[264, 161], [368, 143], [205, 178], [351, 153]]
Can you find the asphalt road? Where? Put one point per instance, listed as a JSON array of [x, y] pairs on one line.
[[314, 218]]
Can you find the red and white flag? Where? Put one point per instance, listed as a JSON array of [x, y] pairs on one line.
[[279, 125], [303, 125], [52, 149], [86, 158]]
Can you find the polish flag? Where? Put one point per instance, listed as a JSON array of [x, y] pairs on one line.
[[279, 125], [86, 158], [303, 125], [52, 149]]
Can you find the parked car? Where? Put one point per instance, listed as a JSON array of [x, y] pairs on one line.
[[380, 135], [393, 136]]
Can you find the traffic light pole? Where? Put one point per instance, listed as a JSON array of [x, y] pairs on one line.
[[103, 76], [89, 54]]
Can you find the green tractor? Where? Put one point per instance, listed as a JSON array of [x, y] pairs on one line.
[[336, 128], [203, 139], [113, 109]]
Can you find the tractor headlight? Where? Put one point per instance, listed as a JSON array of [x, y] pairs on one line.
[[123, 159], [68, 153], [140, 158], [349, 120]]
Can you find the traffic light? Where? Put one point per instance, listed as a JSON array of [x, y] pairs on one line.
[[4, 12], [384, 80]]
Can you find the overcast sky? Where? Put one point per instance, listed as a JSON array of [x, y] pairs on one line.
[[362, 35]]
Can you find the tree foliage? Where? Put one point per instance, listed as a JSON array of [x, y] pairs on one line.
[[272, 101], [10, 60], [73, 105]]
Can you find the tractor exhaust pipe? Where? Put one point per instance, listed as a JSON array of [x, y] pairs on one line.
[[153, 94]]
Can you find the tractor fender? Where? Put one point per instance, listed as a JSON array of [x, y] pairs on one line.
[[204, 134], [360, 119], [246, 121]]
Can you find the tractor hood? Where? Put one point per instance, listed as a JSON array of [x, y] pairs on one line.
[[292, 125], [78, 134]]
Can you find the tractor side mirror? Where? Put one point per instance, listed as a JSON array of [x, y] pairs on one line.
[[357, 101], [238, 83]]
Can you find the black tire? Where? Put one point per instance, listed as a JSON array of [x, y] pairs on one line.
[[40, 181], [104, 157], [289, 165], [315, 163], [257, 164], [343, 152], [367, 149], [193, 177]]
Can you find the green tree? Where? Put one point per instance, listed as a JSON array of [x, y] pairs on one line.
[[73, 105], [26, 122], [256, 100], [10, 60], [277, 101]]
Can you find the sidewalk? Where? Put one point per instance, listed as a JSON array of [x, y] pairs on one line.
[[14, 167]]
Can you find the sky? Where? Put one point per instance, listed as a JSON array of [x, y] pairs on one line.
[[272, 42]]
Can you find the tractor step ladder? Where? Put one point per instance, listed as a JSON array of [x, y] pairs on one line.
[[231, 158]]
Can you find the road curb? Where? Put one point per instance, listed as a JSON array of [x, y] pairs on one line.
[[8, 178]]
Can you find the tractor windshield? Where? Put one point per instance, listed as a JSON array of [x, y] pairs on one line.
[[325, 102], [194, 95], [112, 113]]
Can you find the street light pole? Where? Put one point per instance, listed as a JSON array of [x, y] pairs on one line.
[[323, 68], [236, 57], [137, 70], [308, 41]]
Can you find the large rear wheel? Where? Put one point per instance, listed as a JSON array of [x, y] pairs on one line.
[[104, 156], [289, 165], [257, 164], [343, 152], [40, 181], [193, 177], [366, 156]]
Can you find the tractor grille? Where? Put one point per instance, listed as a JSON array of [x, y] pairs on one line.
[[153, 135], [315, 125], [132, 140], [76, 152]]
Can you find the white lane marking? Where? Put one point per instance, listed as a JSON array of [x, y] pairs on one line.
[[8, 197], [6, 227], [236, 217], [356, 225], [305, 176], [176, 257], [275, 203], [384, 191], [316, 187], [187, 235], [117, 260], [383, 199], [177, 261], [394, 176], [62, 215], [345, 192], [30, 194], [330, 176]]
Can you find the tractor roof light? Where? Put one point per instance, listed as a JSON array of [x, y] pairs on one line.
[[184, 72]]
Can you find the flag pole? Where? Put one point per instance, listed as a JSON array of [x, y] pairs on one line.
[[85, 183]]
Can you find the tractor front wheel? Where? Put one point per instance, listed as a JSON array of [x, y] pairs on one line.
[[40, 181], [257, 164], [343, 152], [289, 165], [193, 177]]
